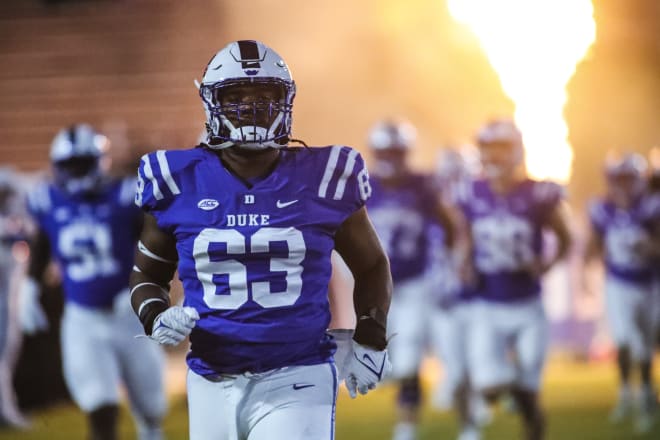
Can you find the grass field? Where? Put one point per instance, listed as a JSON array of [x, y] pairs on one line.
[[577, 396]]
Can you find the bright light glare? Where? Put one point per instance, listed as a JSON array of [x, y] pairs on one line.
[[534, 46]]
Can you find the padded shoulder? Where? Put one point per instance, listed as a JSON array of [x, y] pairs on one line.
[[159, 176], [343, 175]]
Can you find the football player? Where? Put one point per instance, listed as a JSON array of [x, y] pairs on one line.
[[625, 226], [403, 207], [508, 213], [654, 188], [250, 222], [457, 168], [90, 225], [13, 233]]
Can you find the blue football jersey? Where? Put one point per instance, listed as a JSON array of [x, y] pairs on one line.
[[91, 238], [624, 232], [254, 257], [507, 232], [402, 216]]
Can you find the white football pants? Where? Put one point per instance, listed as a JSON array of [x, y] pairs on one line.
[[100, 353], [291, 403]]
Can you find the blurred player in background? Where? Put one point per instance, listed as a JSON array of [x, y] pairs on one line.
[[14, 227], [654, 189], [450, 323], [507, 213], [90, 225], [625, 232], [251, 224], [403, 207]]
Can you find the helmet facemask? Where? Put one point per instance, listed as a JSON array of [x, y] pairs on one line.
[[500, 148], [251, 113], [247, 92], [78, 175], [626, 177], [76, 154], [390, 143]]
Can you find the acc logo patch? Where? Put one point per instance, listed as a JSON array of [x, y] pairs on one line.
[[208, 204]]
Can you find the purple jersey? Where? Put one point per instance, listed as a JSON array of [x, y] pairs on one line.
[[623, 232], [254, 258], [92, 238], [507, 232], [448, 289], [402, 216]]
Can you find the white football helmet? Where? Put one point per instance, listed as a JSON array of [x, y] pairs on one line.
[[501, 147], [629, 164], [256, 124], [75, 154], [390, 143], [456, 163], [386, 135], [626, 174]]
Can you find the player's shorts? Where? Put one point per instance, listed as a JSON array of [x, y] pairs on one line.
[[449, 329], [293, 403], [407, 324], [632, 315], [507, 344], [100, 352]]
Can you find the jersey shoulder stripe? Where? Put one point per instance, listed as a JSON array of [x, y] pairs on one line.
[[166, 173], [158, 175], [338, 169]]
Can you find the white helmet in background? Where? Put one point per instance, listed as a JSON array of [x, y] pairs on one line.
[[626, 174], [260, 123], [501, 147], [455, 163], [629, 164], [390, 142], [75, 155], [386, 135]]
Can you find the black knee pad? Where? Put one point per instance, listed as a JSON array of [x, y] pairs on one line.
[[410, 394], [103, 422]]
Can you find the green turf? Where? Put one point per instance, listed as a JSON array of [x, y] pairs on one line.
[[577, 397]]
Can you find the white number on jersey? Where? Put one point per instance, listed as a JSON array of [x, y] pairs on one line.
[[503, 244], [622, 244], [237, 271], [89, 247], [399, 230]]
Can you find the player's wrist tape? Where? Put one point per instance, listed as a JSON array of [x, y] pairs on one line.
[[149, 310], [371, 333]]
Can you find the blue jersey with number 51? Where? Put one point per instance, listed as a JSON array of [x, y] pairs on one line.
[[254, 257], [91, 237]]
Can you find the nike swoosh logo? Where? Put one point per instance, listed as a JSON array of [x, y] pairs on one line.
[[300, 386], [372, 365], [285, 204]]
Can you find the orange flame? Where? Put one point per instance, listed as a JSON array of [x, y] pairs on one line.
[[534, 46]]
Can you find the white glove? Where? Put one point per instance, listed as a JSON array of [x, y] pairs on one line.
[[173, 325], [365, 368], [344, 340], [32, 316]]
